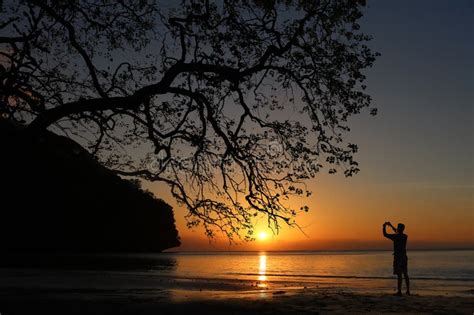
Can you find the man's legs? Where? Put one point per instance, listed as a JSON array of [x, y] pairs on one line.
[[407, 282], [399, 275]]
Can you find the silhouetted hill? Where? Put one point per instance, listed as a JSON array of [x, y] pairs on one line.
[[56, 196]]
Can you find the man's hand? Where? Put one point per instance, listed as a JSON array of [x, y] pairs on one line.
[[391, 226], [384, 230]]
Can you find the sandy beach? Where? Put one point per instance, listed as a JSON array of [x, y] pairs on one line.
[[67, 292], [160, 301]]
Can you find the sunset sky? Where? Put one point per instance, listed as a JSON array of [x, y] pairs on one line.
[[416, 155]]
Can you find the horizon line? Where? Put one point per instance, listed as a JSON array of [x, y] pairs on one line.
[[317, 250]]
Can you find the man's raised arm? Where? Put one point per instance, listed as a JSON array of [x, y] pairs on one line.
[[384, 230]]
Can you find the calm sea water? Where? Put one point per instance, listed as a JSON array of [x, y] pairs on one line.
[[442, 265], [439, 271]]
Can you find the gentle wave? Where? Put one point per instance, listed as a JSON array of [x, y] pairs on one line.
[[346, 277]]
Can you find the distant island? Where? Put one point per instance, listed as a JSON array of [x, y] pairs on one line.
[[56, 196]]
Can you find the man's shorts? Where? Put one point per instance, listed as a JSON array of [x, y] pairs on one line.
[[400, 264]]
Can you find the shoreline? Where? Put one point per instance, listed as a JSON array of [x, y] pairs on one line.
[[23, 293], [53, 279], [241, 284]]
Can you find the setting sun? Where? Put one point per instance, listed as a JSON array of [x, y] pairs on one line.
[[262, 236]]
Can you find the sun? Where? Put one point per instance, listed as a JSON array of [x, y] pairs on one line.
[[262, 236]]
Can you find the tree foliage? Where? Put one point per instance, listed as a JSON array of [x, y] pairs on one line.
[[232, 104]]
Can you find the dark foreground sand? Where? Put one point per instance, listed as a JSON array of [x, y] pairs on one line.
[[82, 292], [159, 301]]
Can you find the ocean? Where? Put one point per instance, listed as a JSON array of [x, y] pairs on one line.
[[436, 265], [431, 272]]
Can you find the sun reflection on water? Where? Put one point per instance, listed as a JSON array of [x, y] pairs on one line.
[[262, 271]]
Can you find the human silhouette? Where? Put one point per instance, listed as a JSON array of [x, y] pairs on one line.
[[400, 259]]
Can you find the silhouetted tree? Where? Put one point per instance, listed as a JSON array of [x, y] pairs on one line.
[[233, 104]]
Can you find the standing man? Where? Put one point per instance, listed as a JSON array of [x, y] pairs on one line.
[[400, 259]]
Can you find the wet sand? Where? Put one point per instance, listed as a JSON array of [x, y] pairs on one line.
[[207, 296], [159, 301]]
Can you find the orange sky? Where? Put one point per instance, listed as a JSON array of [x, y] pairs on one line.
[[416, 156], [347, 213]]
